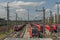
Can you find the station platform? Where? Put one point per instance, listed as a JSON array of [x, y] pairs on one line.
[[27, 35]]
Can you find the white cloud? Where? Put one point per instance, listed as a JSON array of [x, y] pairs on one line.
[[3, 4], [22, 3], [47, 10], [56, 5], [20, 10], [43, 2], [2, 13], [37, 15]]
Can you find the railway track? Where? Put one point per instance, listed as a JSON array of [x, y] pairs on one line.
[[9, 35], [13, 35], [16, 34], [21, 33]]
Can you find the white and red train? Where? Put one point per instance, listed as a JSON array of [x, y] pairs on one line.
[[34, 31], [18, 27]]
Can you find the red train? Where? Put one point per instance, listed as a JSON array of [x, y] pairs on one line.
[[33, 32], [38, 28], [50, 28], [18, 27]]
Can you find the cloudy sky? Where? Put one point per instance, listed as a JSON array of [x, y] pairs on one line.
[[21, 7]]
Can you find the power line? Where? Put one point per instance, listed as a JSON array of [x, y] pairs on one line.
[[43, 10]]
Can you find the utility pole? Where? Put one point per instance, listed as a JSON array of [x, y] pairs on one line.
[[57, 12], [43, 19], [16, 18], [57, 17], [48, 20], [7, 16], [43, 15], [7, 12], [21, 18], [54, 19], [28, 14], [51, 17]]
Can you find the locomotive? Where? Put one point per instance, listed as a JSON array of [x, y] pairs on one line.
[[33, 32], [18, 27]]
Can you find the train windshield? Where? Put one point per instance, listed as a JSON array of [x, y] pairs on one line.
[[34, 31]]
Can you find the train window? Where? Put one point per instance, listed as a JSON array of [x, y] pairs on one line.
[[34, 31]]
